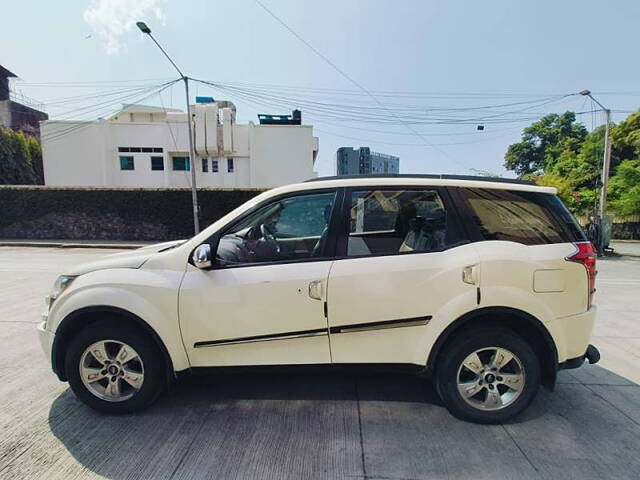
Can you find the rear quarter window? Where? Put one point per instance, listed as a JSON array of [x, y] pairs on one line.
[[530, 218]]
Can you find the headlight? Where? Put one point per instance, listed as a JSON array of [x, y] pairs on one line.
[[59, 286]]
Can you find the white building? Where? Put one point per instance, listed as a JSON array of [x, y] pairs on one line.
[[143, 146]]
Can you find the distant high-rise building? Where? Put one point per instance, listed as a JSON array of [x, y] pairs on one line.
[[365, 162]]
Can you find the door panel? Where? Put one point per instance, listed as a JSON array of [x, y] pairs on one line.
[[255, 306], [403, 291], [254, 315], [400, 274]]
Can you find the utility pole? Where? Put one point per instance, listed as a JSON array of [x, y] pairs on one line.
[[192, 156], [606, 164]]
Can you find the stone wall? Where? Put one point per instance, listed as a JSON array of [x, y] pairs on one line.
[[107, 214], [626, 231]]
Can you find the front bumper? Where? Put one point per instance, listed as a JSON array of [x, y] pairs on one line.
[[46, 339]]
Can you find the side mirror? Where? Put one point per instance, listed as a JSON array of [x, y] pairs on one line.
[[202, 256]]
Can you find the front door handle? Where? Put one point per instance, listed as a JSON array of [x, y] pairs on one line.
[[315, 289]]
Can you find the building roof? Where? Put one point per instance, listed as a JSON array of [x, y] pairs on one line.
[[135, 108], [4, 73]]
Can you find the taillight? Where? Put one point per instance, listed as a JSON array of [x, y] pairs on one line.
[[586, 255]]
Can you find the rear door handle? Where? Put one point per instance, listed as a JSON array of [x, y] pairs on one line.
[[315, 290]]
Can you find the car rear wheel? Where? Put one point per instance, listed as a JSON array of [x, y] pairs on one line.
[[487, 375], [114, 367]]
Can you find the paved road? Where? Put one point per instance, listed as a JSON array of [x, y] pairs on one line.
[[320, 426]]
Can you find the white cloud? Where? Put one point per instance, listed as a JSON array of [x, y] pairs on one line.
[[110, 19]]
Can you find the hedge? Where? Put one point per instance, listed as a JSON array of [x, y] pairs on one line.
[[28, 212]]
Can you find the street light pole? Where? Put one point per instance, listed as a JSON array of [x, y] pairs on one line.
[[192, 156], [606, 163]]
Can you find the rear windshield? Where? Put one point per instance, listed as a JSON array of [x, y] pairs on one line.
[[531, 218]]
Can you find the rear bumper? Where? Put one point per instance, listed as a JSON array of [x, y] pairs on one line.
[[592, 355], [572, 334]]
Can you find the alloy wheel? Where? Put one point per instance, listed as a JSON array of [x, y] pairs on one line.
[[111, 370], [491, 378]]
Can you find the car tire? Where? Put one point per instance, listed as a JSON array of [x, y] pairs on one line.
[[115, 367], [487, 375]]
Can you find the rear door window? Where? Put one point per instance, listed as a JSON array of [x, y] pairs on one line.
[[387, 221], [530, 218]]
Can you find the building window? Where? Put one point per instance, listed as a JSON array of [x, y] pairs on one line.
[[140, 149], [214, 165], [181, 163], [230, 165], [157, 163], [205, 164], [126, 163]]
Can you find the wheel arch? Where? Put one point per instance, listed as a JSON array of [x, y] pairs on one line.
[[521, 322], [78, 319]]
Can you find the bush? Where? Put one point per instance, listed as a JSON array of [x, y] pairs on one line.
[[20, 159]]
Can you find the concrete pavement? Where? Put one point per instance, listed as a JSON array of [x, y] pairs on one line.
[[375, 426]]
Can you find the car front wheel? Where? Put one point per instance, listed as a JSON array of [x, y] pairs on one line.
[[114, 367], [487, 375]]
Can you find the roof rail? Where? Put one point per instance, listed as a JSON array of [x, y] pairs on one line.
[[476, 178]]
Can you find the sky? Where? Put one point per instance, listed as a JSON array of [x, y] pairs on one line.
[[390, 57]]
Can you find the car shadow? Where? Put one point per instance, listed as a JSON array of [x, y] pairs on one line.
[[220, 415]]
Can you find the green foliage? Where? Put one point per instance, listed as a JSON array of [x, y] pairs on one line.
[[17, 155], [35, 152], [557, 152], [562, 184], [626, 138], [544, 142], [624, 188]]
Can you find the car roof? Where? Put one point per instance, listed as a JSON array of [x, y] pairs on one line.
[[441, 176], [418, 180]]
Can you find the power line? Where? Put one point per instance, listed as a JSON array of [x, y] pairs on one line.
[[80, 126], [89, 83], [97, 107], [341, 72], [347, 113]]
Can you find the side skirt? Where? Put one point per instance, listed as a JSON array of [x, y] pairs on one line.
[[328, 368]]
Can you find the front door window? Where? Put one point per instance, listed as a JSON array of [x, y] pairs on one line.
[[290, 229]]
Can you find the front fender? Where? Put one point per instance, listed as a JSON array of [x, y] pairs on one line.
[[151, 295]]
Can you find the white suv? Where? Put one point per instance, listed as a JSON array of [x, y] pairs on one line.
[[485, 285]]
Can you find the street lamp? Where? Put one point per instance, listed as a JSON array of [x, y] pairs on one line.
[[607, 154], [194, 193], [606, 163]]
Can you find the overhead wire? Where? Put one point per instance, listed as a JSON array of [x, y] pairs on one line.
[[339, 70], [87, 123], [345, 113], [83, 110]]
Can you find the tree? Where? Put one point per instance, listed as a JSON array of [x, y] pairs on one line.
[[558, 152], [624, 188], [565, 189], [544, 142], [16, 151], [35, 153], [626, 138]]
